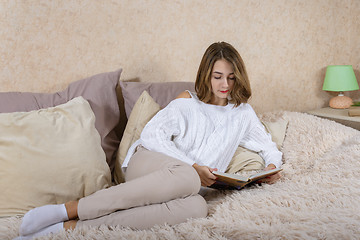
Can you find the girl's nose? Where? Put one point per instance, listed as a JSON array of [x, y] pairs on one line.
[[225, 83]]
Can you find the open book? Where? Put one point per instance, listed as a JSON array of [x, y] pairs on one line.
[[234, 181]]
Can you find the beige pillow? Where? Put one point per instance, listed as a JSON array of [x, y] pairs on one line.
[[144, 109], [247, 160], [50, 156], [277, 130]]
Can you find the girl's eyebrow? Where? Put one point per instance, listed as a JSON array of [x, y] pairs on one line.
[[222, 73]]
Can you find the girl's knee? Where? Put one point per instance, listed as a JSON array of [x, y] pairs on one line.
[[257, 164], [191, 207], [199, 206], [189, 178]]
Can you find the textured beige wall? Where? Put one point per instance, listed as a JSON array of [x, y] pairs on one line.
[[286, 44]]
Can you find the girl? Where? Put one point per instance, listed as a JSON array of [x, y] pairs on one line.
[[177, 152]]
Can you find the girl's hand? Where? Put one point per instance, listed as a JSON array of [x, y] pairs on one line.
[[270, 179], [205, 174]]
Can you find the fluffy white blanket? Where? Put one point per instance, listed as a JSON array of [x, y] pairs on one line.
[[317, 198]]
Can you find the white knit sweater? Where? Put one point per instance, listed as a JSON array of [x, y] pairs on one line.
[[195, 132]]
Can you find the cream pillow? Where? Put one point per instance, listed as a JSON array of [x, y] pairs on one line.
[[50, 156], [277, 130], [144, 109], [247, 160]]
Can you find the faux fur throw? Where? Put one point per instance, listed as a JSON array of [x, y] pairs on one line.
[[318, 196]]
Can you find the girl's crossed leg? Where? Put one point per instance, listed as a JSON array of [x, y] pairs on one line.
[[158, 189]]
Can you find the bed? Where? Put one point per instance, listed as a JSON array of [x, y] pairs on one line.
[[316, 198]]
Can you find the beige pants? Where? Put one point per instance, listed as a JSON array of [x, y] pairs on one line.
[[158, 189]]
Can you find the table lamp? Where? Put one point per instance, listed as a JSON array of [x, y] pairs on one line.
[[340, 78]]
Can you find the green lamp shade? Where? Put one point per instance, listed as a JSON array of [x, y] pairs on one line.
[[340, 78]]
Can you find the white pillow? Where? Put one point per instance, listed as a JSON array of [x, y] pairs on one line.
[[50, 156], [144, 109]]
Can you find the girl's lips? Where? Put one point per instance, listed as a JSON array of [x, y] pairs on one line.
[[225, 91]]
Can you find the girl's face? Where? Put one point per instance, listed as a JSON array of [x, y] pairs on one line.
[[222, 82]]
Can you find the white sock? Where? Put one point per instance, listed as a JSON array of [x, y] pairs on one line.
[[43, 232], [41, 217]]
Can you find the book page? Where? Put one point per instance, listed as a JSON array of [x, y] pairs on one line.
[[264, 174], [226, 180], [238, 181], [231, 176]]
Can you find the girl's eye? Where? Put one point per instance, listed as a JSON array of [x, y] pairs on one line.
[[232, 78], [217, 77]]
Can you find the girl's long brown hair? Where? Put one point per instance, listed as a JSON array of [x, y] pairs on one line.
[[216, 51]]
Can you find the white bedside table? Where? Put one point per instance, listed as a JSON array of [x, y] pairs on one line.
[[338, 115]]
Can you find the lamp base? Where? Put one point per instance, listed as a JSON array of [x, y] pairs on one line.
[[340, 102]]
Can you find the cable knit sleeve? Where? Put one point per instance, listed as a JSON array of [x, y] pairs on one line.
[[157, 135], [258, 140]]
